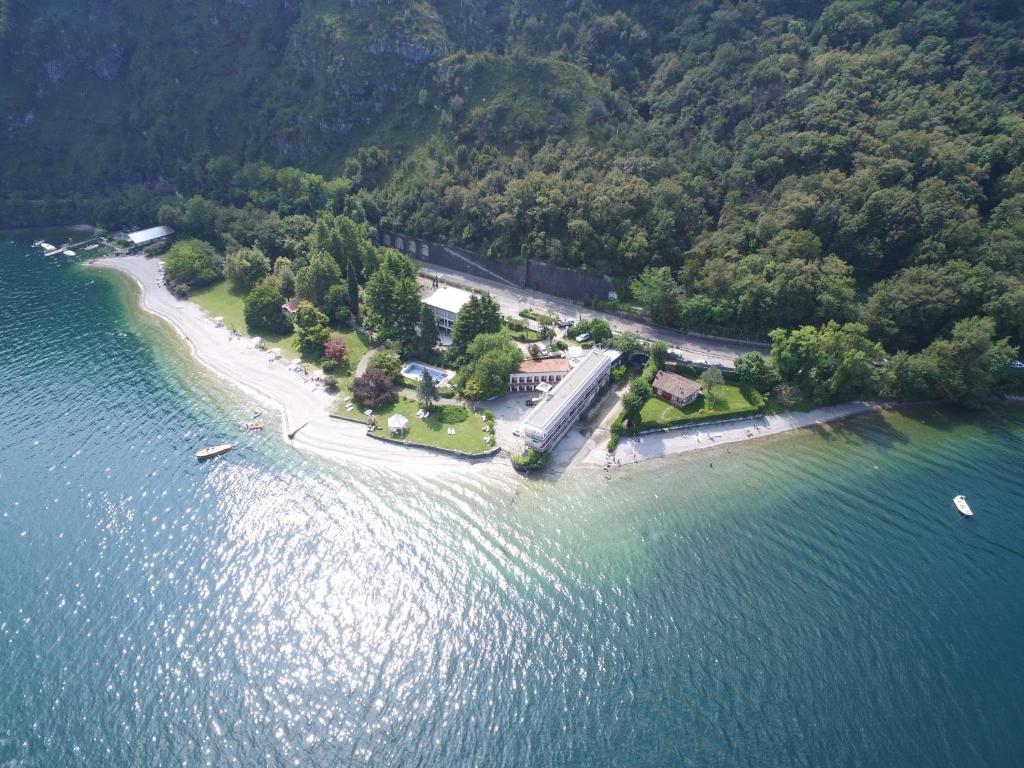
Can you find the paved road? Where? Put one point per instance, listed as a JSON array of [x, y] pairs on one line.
[[695, 349]]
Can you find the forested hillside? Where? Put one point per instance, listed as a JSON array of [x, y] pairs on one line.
[[789, 162]]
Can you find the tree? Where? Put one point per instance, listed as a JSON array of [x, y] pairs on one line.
[[428, 335], [191, 263], [284, 275], [710, 379], [658, 293], [245, 267], [311, 328], [263, 308], [632, 405], [387, 361], [373, 389], [833, 363], [392, 299], [659, 354], [626, 342], [336, 352], [755, 371], [427, 390], [335, 304], [600, 331], [534, 351], [971, 365], [314, 280], [352, 282], [492, 357], [481, 314]]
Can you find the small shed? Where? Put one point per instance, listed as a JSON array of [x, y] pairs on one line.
[[291, 308], [398, 424]]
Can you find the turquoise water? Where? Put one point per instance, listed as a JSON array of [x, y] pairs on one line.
[[806, 601], [415, 371]]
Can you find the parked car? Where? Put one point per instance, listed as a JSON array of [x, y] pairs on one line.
[[582, 337], [1017, 364], [532, 401]]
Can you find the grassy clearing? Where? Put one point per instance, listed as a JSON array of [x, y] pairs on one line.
[[468, 438], [657, 414], [223, 300], [358, 345]]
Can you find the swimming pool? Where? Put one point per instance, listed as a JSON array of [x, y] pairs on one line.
[[415, 371]]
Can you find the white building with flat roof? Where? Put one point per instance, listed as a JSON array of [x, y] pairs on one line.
[[446, 304], [144, 236], [546, 424]]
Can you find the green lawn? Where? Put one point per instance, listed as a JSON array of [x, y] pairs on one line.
[[658, 414], [223, 300], [468, 438]]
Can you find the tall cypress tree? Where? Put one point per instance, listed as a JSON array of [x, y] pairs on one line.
[[353, 291], [428, 330]]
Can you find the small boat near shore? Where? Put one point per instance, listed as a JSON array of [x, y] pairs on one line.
[[960, 502], [215, 450], [253, 425]]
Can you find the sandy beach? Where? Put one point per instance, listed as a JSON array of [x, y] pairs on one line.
[[632, 450], [302, 406]]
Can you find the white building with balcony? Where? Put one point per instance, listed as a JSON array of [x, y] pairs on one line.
[[546, 424], [446, 303]]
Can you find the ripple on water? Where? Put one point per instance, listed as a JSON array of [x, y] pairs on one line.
[[809, 601]]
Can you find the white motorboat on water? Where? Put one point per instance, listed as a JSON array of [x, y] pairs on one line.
[[960, 502]]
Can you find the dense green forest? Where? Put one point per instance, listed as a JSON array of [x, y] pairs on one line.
[[781, 163]]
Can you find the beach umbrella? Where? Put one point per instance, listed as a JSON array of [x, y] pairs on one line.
[[256, 341], [218, 319]]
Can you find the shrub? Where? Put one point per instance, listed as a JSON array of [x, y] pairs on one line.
[[531, 461], [452, 414], [336, 350], [387, 361], [618, 373], [331, 384]]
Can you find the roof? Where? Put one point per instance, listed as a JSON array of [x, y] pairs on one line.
[[449, 299], [597, 362], [147, 235], [397, 421], [292, 306], [547, 365], [675, 385]]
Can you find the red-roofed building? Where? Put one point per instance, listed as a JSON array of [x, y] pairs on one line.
[[290, 308], [675, 389], [533, 372]]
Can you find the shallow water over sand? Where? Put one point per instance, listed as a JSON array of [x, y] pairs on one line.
[[810, 600]]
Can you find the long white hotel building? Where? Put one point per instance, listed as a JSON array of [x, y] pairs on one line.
[[548, 422]]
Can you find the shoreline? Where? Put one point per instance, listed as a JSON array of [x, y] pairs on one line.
[[304, 410], [681, 441]]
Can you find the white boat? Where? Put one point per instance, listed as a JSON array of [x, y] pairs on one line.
[[962, 506], [216, 450], [47, 247], [69, 252]]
